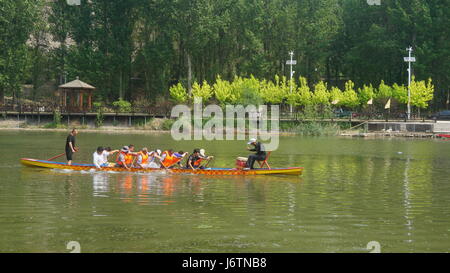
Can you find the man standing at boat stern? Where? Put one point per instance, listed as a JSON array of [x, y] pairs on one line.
[[260, 154], [70, 146]]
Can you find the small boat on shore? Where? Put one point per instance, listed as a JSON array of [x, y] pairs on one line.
[[444, 135], [208, 171]]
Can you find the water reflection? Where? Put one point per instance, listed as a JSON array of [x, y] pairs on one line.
[[407, 202], [100, 184]]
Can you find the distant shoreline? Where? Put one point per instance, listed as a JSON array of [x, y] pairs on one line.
[[125, 130], [115, 130]]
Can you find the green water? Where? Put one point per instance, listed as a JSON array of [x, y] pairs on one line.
[[353, 191]]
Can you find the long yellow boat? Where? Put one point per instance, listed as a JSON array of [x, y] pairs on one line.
[[208, 171]]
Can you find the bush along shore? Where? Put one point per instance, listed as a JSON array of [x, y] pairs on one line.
[[306, 128]]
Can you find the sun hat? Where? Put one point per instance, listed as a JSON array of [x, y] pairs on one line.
[[252, 140]]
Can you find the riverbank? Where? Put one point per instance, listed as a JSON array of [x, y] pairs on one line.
[[389, 134], [160, 126]]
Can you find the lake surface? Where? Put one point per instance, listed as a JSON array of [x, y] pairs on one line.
[[353, 191]]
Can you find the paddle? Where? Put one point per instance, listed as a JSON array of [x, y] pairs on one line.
[[55, 157], [209, 160]]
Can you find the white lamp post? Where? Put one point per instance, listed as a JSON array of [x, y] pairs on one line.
[[291, 62], [409, 60]]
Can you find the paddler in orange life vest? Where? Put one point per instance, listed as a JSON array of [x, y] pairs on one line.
[[169, 159], [196, 158], [125, 158], [143, 159]]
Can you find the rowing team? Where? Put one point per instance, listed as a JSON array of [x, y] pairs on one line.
[[127, 158]]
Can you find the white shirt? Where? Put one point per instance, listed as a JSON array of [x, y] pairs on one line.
[[98, 160], [105, 155]]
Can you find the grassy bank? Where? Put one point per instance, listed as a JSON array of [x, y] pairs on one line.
[[315, 128], [307, 128]]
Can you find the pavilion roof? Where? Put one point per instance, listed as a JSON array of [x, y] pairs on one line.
[[76, 84]]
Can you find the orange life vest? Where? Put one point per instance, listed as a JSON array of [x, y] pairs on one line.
[[128, 158], [197, 162], [169, 160], [144, 157]]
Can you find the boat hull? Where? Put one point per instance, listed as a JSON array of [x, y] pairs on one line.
[[209, 171]]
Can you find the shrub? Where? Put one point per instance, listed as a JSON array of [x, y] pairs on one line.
[[122, 106], [167, 124], [178, 93], [57, 118], [99, 118]]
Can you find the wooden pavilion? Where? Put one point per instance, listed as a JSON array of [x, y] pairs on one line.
[[76, 96]]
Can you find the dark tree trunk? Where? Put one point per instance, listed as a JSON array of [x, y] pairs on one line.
[[189, 76], [2, 96]]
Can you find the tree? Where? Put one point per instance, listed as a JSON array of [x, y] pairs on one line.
[[349, 96], [400, 93], [321, 95], [203, 91], [366, 93], [336, 96], [16, 24], [318, 23], [39, 47], [222, 91], [178, 93], [384, 91], [304, 93], [421, 93]]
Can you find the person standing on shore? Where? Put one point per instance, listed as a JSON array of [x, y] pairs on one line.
[[70, 146]]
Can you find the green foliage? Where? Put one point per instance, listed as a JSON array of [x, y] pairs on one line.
[[57, 118], [122, 106], [131, 48], [384, 91], [178, 93], [349, 96], [336, 96], [421, 93], [204, 91], [321, 95], [56, 123], [304, 95], [222, 91], [17, 20], [313, 128], [366, 93], [167, 124], [99, 118], [400, 93], [273, 92], [97, 106]]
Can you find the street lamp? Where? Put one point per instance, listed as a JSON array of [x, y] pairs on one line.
[[409, 60], [291, 62]]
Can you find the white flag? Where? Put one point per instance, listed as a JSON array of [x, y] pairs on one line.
[[370, 102], [388, 104], [336, 101]]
